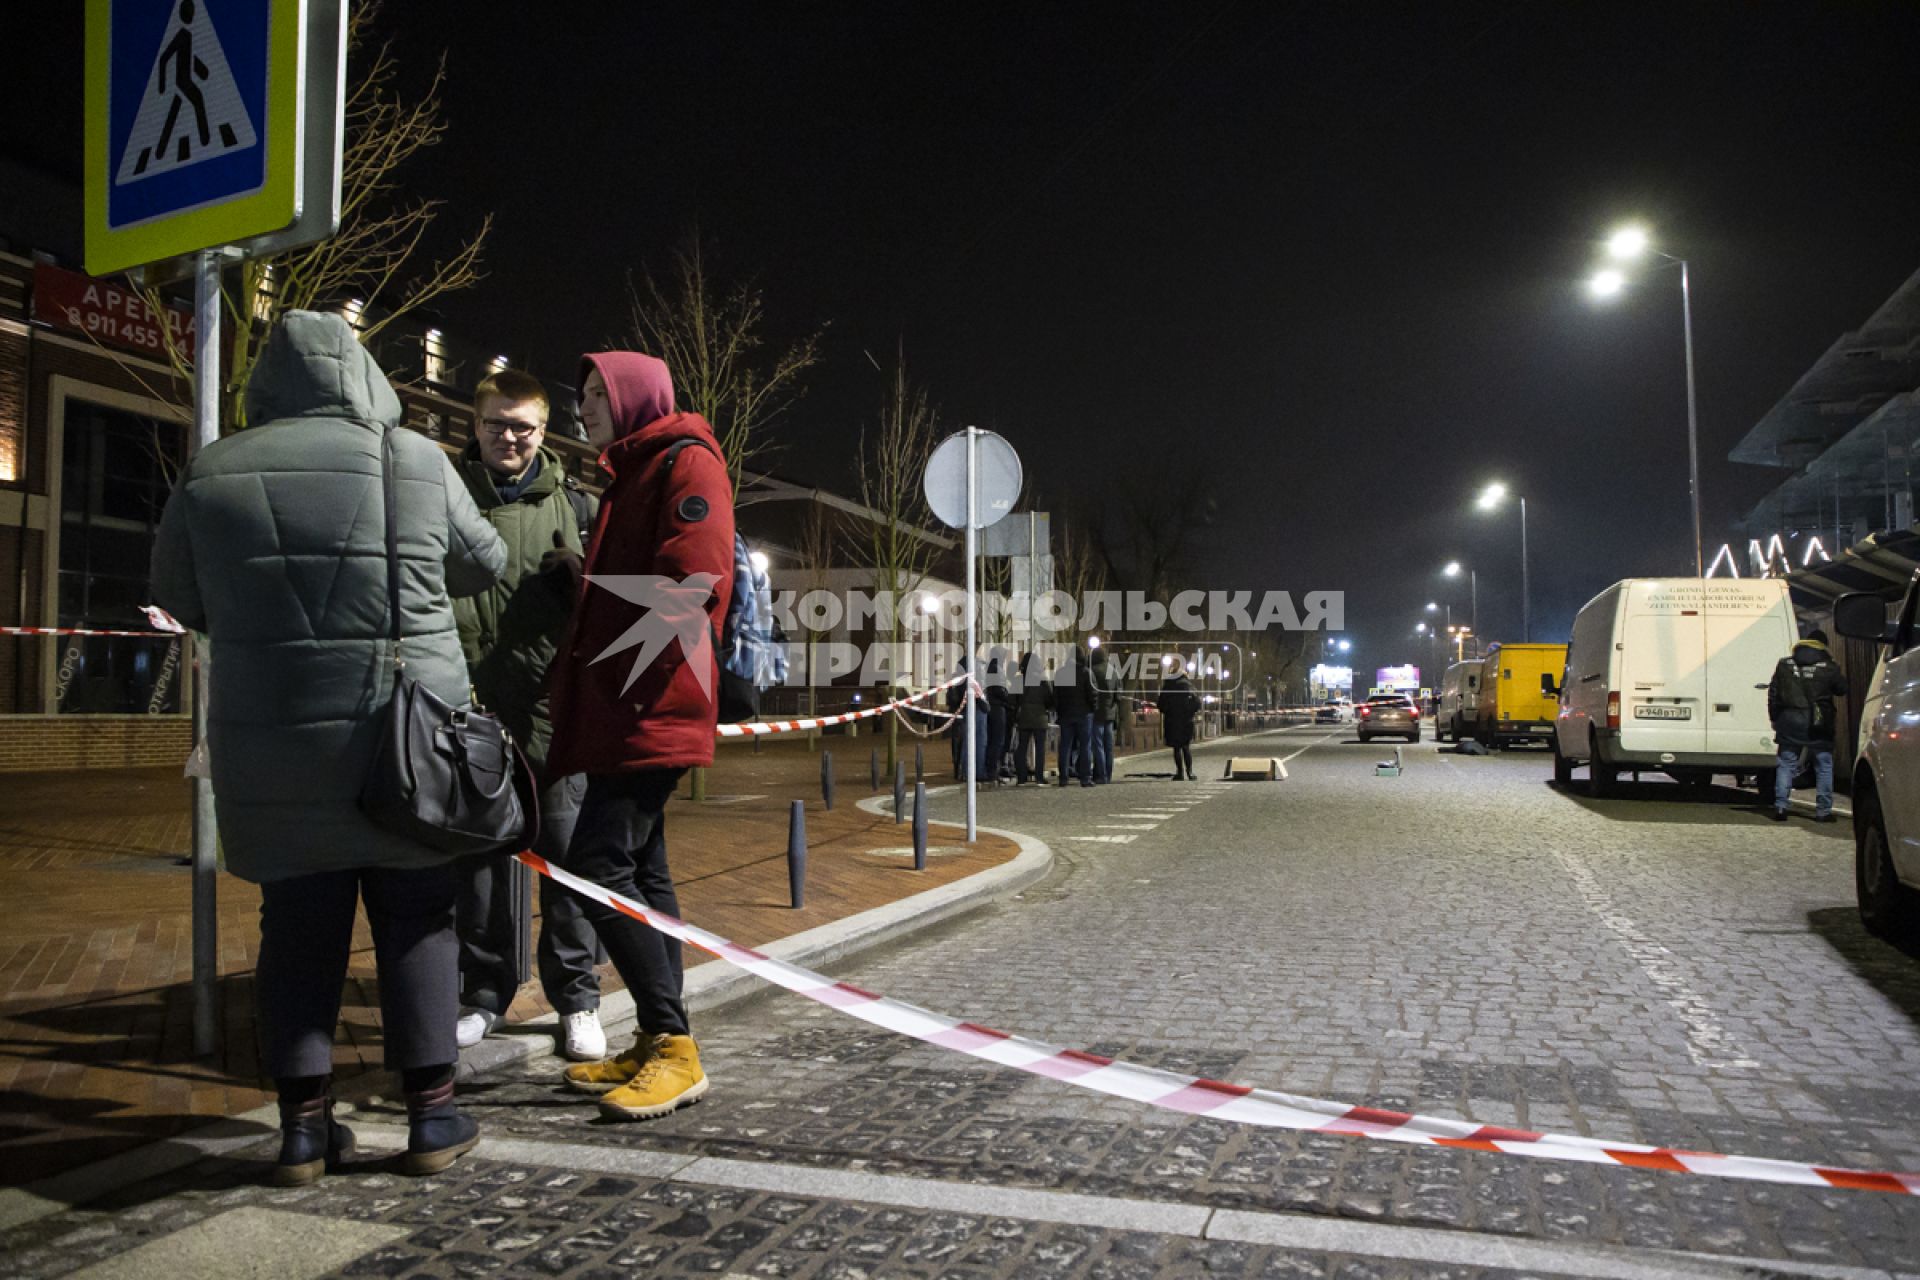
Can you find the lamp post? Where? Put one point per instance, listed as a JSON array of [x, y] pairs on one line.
[[1453, 570], [1490, 498], [1625, 245]]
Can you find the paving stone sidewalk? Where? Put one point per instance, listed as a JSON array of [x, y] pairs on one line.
[[95, 1002]]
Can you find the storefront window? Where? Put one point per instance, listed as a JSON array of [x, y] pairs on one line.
[[116, 473]]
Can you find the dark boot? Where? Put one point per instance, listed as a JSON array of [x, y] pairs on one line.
[[311, 1143], [437, 1132]]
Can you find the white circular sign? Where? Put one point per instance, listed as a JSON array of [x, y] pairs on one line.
[[997, 475]]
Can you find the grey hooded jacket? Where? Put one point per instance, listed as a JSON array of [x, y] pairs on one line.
[[274, 544]]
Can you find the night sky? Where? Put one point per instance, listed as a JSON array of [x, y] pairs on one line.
[[1331, 256]]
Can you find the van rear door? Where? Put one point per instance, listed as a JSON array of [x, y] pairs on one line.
[[1663, 677], [1750, 627]]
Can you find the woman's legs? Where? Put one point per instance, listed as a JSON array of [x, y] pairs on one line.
[[306, 935]]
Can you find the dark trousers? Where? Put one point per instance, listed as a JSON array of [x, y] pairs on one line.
[[1076, 747], [306, 934], [1183, 760], [490, 935], [1103, 751], [620, 843], [996, 742], [1030, 745]]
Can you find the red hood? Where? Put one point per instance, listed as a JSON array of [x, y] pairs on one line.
[[639, 388]]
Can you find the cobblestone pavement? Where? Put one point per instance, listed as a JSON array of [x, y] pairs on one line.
[[1461, 940]]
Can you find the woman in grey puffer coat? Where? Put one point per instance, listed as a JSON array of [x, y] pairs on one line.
[[274, 545]]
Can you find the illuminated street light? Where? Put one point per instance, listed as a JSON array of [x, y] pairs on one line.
[[759, 561], [1491, 497], [1344, 645], [1627, 243], [1633, 242], [1093, 642], [1433, 606]]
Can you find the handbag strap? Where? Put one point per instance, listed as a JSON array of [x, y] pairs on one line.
[[393, 544]]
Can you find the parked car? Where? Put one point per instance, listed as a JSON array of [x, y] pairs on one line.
[[1518, 701], [1886, 772], [1333, 711], [1459, 702], [1670, 675], [1388, 714]]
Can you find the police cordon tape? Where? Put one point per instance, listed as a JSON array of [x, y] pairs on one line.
[[1195, 1095], [819, 722]]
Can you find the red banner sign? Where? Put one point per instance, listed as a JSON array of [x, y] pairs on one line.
[[111, 314]]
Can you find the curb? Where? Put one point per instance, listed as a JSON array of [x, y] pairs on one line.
[[709, 987]]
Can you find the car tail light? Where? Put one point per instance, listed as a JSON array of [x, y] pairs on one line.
[[1414, 712], [1613, 711], [1366, 712]]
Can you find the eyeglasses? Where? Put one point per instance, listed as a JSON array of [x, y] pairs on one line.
[[497, 427]]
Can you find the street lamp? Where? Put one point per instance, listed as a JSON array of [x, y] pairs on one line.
[[1490, 498], [1453, 570], [1625, 245]]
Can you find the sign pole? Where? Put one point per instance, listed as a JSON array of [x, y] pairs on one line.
[[973, 525], [206, 429]]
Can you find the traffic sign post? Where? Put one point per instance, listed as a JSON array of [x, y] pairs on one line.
[[971, 474], [211, 124], [213, 132]]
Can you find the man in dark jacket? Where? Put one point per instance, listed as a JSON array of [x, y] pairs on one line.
[[1073, 697], [1800, 703], [635, 698], [1178, 707], [1106, 717], [1032, 698], [510, 634]]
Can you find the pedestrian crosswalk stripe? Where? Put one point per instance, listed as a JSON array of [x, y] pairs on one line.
[[1126, 826], [1107, 839], [191, 109]]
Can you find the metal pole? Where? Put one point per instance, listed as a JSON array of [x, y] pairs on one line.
[[1693, 420], [1473, 607], [1526, 596], [973, 475], [206, 910]]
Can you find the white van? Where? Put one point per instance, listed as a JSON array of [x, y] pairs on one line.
[[1459, 709], [1670, 675]]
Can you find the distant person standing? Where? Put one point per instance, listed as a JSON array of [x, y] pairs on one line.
[[999, 716], [510, 634], [274, 545], [1106, 718], [1800, 702], [1032, 698], [1073, 699], [1178, 707], [635, 699]]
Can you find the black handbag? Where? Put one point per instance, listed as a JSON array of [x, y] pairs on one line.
[[440, 775]]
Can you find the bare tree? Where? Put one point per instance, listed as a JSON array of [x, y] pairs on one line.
[[893, 460], [710, 336], [1150, 540], [374, 259]]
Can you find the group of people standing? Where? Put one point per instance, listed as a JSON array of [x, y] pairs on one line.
[[273, 545], [1080, 696]]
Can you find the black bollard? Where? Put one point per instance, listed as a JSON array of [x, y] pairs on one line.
[[826, 779], [899, 792], [797, 855], [919, 763], [873, 769], [919, 826]]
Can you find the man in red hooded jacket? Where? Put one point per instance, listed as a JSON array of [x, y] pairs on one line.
[[634, 697]]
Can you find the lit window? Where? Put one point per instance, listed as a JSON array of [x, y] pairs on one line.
[[263, 296], [435, 362], [497, 363], [354, 311]]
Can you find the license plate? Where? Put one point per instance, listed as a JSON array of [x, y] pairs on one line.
[[1663, 713]]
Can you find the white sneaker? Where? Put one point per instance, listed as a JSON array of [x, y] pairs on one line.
[[581, 1036], [474, 1026]]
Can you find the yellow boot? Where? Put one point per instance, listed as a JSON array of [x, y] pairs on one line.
[[600, 1077], [671, 1078]]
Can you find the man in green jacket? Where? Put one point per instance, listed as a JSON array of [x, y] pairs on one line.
[[510, 635]]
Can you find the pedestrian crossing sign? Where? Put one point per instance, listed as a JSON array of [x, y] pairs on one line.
[[209, 123]]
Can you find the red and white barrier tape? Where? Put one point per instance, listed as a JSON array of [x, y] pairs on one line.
[[820, 722], [165, 628], [1194, 1095]]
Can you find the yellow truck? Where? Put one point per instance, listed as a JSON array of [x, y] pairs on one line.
[[1518, 693]]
